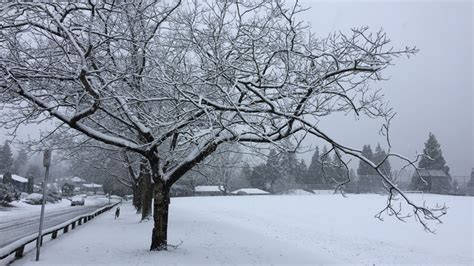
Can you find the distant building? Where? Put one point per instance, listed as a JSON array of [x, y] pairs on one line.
[[208, 191], [18, 182], [437, 180], [92, 188]]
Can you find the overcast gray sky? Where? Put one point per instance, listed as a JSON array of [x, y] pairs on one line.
[[431, 92]]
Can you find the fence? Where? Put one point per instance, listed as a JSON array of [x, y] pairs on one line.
[[18, 246]]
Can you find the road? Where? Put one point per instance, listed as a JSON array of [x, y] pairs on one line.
[[17, 227]]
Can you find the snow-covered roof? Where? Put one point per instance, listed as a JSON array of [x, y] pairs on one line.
[[250, 191], [77, 179], [92, 185], [298, 191], [17, 178], [207, 189], [432, 173]]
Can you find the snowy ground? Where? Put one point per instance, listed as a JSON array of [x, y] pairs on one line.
[[315, 229]]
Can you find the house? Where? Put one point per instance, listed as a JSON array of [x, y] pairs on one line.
[[250, 191], [208, 191], [92, 188], [18, 182], [437, 180]]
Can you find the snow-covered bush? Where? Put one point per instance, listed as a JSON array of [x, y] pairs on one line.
[[36, 198]]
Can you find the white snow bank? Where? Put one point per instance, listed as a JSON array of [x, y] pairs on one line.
[[34, 196], [98, 201], [289, 230], [21, 208]]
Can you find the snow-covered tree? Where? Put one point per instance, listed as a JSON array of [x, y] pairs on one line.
[[20, 163], [380, 156], [6, 158], [433, 159], [315, 174], [364, 167], [171, 81]]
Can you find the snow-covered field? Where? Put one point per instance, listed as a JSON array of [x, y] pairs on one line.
[[313, 229]]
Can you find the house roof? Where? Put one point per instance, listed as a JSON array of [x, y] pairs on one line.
[[207, 189], [250, 191], [17, 178], [77, 179], [432, 173], [92, 185]]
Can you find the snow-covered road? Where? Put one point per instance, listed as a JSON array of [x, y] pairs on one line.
[[14, 228], [23, 220]]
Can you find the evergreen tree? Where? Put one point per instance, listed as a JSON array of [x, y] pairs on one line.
[[6, 158], [435, 161], [257, 177], [288, 167], [31, 185], [339, 171], [326, 168], [20, 163], [433, 150], [314, 175], [364, 168], [273, 170], [301, 172], [379, 155]]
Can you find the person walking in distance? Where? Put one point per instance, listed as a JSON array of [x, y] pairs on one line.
[[117, 212]]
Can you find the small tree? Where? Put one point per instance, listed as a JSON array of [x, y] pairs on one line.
[[381, 156], [6, 158], [315, 175], [364, 168], [432, 160], [31, 185]]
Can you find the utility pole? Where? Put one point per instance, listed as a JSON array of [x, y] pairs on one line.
[[46, 163]]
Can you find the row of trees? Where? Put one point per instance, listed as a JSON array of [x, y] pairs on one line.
[[283, 170]]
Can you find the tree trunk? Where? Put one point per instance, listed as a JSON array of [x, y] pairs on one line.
[[159, 239], [146, 190], [137, 196]]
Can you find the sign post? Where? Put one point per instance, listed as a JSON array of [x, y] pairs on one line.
[[46, 163]]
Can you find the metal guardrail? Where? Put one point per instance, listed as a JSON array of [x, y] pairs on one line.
[[18, 247]]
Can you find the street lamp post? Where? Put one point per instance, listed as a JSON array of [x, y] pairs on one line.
[[46, 163]]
